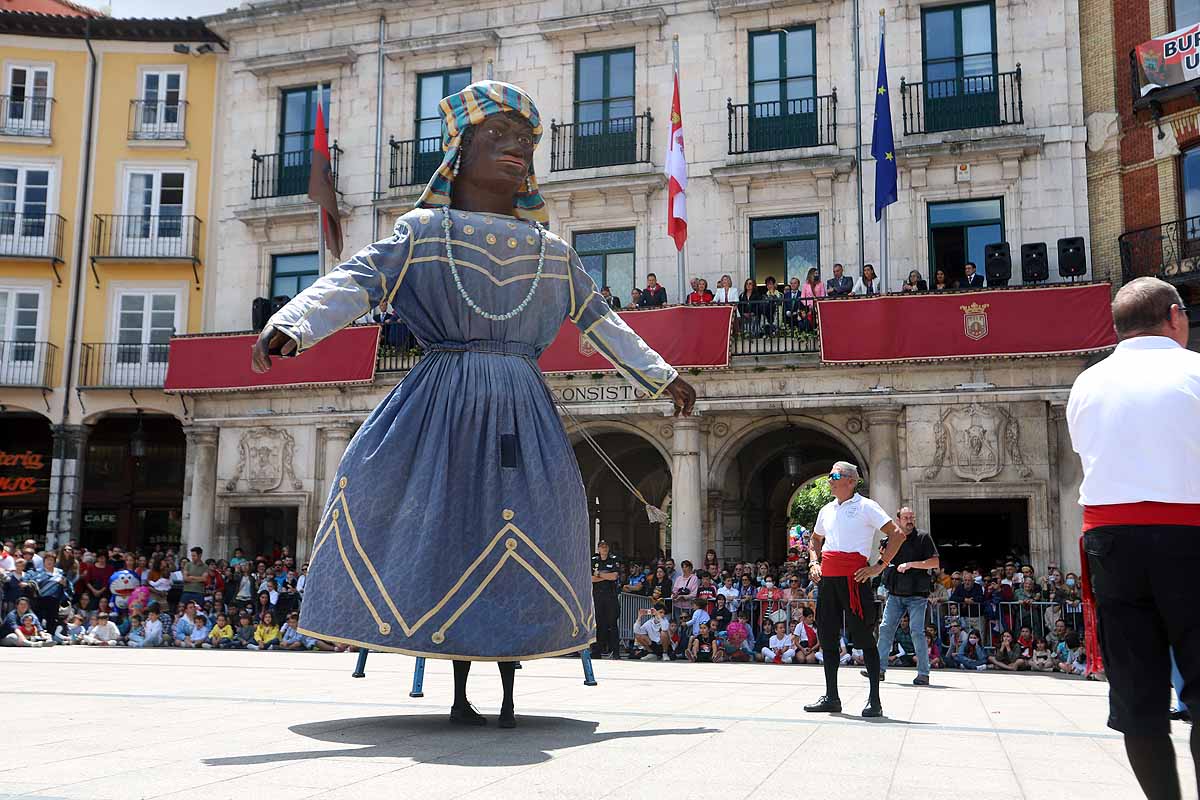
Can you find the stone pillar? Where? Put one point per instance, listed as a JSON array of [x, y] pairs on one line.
[[69, 446], [201, 530], [715, 522], [884, 456], [687, 505], [1070, 476], [335, 438]]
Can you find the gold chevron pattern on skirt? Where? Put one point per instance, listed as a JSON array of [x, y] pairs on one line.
[[508, 540]]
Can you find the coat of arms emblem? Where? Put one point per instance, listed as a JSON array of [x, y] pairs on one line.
[[975, 321], [586, 348], [976, 442], [265, 459]]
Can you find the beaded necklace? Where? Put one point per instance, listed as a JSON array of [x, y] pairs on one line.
[[462, 290]]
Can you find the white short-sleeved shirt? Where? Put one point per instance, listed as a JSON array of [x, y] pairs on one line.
[[1134, 420], [653, 628], [850, 527]]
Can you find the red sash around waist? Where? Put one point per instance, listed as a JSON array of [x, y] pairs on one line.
[[1146, 513], [836, 564]]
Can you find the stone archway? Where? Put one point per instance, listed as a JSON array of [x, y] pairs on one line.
[[759, 473], [614, 513]]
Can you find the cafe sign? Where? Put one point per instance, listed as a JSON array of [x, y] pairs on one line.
[[20, 472]]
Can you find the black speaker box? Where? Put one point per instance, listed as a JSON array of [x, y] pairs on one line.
[[997, 264], [1072, 261], [1035, 266]]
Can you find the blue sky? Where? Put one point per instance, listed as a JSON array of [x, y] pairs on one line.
[[164, 8]]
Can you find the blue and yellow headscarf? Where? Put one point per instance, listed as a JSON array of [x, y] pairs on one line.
[[472, 106]]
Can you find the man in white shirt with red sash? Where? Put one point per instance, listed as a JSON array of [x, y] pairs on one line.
[[1134, 419], [843, 541]]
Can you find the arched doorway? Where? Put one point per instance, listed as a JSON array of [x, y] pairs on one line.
[[763, 472], [133, 482], [613, 511]]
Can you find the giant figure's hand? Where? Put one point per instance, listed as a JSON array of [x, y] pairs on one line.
[[683, 395], [270, 341]]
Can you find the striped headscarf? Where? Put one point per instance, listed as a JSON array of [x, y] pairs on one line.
[[472, 106]]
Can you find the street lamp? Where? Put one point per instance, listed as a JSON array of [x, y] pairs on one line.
[[137, 441]]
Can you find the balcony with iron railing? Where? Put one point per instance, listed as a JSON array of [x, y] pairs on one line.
[[1170, 251], [27, 363], [123, 365], [779, 125], [157, 120], [31, 236], [135, 237], [25, 116], [973, 101], [412, 162], [286, 174], [602, 143]]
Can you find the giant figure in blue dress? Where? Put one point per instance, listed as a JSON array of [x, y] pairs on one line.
[[457, 526]]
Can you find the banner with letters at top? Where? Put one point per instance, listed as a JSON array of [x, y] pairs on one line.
[[687, 337], [1169, 60], [1049, 320]]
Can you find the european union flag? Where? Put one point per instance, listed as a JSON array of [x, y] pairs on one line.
[[883, 146]]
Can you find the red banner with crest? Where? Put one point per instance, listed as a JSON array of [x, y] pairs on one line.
[[1035, 321], [687, 337]]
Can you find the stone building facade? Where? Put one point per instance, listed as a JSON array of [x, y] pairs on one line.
[[1143, 147], [978, 447]]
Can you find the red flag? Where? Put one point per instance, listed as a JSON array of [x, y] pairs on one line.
[[676, 168], [321, 188]]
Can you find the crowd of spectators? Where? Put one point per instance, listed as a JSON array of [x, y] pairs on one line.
[[108, 598], [1003, 618], [772, 308]]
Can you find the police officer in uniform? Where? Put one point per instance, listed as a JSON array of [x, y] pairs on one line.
[[604, 595]]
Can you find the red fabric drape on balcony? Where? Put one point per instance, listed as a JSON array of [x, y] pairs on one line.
[[1050, 320], [686, 336], [222, 363]]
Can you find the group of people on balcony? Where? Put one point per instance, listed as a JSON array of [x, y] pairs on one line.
[[771, 308]]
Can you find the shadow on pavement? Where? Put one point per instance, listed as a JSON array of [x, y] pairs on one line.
[[430, 738]]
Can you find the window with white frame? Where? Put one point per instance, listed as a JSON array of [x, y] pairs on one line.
[[23, 356], [154, 223], [143, 325], [25, 227], [159, 110], [27, 100]]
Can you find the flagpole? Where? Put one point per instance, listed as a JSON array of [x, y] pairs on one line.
[[680, 257], [883, 219], [320, 212]]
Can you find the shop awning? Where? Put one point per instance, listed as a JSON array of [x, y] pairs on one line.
[[1053, 320]]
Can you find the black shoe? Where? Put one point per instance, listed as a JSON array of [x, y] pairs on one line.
[[507, 719], [865, 674], [921, 680], [873, 708], [825, 704], [465, 715]]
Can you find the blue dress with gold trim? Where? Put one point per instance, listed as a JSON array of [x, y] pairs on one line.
[[457, 526]]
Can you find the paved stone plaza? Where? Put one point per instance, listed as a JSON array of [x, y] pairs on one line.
[[125, 724]]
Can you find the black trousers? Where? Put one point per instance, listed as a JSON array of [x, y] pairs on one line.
[[606, 622], [1144, 578], [833, 607]]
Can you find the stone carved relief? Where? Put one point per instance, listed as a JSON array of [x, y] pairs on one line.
[[265, 456], [977, 443], [854, 425]]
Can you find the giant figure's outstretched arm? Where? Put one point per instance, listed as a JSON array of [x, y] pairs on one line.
[[369, 278]]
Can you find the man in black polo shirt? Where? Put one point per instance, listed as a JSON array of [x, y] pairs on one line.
[[604, 595], [908, 582]]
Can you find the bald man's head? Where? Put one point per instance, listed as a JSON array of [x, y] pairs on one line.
[[1143, 308]]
